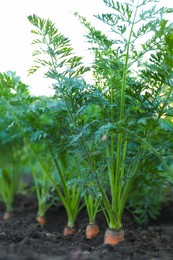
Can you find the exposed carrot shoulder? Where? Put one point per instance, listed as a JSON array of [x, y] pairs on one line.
[[69, 231], [7, 215], [41, 220], [92, 230], [113, 237]]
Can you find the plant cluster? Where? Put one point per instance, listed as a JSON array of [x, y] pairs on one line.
[[105, 145]]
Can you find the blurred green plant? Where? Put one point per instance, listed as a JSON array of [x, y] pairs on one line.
[[31, 117], [10, 185], [12, 167]]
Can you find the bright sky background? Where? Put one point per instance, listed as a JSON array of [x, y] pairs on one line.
[[15, 43]]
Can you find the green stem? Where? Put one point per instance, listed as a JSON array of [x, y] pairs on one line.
[[92, 206], [115, 199], [122, 170]]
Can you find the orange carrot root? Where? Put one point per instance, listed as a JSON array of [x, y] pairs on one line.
[[69, 231], [7, 215], [113, 237], [92, 231], [41, 220]]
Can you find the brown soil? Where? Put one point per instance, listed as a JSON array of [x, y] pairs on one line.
[[22, 238]]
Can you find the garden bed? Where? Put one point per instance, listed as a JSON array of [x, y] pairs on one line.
[[22, 238]]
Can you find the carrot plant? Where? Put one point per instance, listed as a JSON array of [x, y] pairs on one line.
[[42, 185], [113, 141], [52, 124], [92, 206], [117, 66], [71, 91]]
